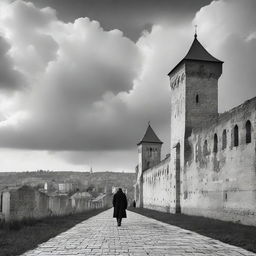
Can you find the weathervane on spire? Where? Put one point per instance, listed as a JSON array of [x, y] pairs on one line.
[[148, 123], [195, 31]]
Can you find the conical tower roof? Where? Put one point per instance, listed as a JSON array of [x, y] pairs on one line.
[[199, 53], [150, 137]]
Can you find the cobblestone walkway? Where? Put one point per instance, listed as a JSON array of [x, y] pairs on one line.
[[138, 235]]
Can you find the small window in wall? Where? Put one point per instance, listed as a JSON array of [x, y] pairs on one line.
[[248, 127], [236, 136], [196, 152], [150, 152], [225, 196], [197, 99], [205, 149], [215, 145], [224, 139], [1, 202]]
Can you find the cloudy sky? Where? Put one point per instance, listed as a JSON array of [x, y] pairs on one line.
[[80, 79]]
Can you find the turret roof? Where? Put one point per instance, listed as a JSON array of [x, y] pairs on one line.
[[150, 137], [198, 52]]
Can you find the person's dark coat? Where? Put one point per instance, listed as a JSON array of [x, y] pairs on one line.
[[120, 204]]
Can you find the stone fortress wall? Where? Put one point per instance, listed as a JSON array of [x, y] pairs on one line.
[[157, 186], [211, 169], [219, 180], [219, 177]]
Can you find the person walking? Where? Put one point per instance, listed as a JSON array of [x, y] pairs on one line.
[[120, 206]]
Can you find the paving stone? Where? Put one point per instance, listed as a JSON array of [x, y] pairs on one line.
[[138, 236]]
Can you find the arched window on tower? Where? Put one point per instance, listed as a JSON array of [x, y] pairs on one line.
[[236, 136], [224, 139], [197, 99], [248, 127], [215, 145], [150, 151]]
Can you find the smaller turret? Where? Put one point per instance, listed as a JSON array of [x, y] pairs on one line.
[[149, 149]]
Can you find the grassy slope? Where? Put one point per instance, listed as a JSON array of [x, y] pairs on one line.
[[20, 237], [227, 232]]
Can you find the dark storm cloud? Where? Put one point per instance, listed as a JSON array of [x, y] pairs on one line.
[[130, 16], [10, 79]]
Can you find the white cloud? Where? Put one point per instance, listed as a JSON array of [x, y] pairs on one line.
[[70, 68], [26, 27], [92, 90], [227, 28]]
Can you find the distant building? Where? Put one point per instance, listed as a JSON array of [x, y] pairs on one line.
[[102, 201], [63, 187], [66, 187], [23, 202], [81, 201]]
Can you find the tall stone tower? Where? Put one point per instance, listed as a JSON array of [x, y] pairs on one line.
[[194, 99], [149, 151], [194, 91]]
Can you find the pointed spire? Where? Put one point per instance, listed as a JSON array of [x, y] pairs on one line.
[[195, 31], [150, 136]]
